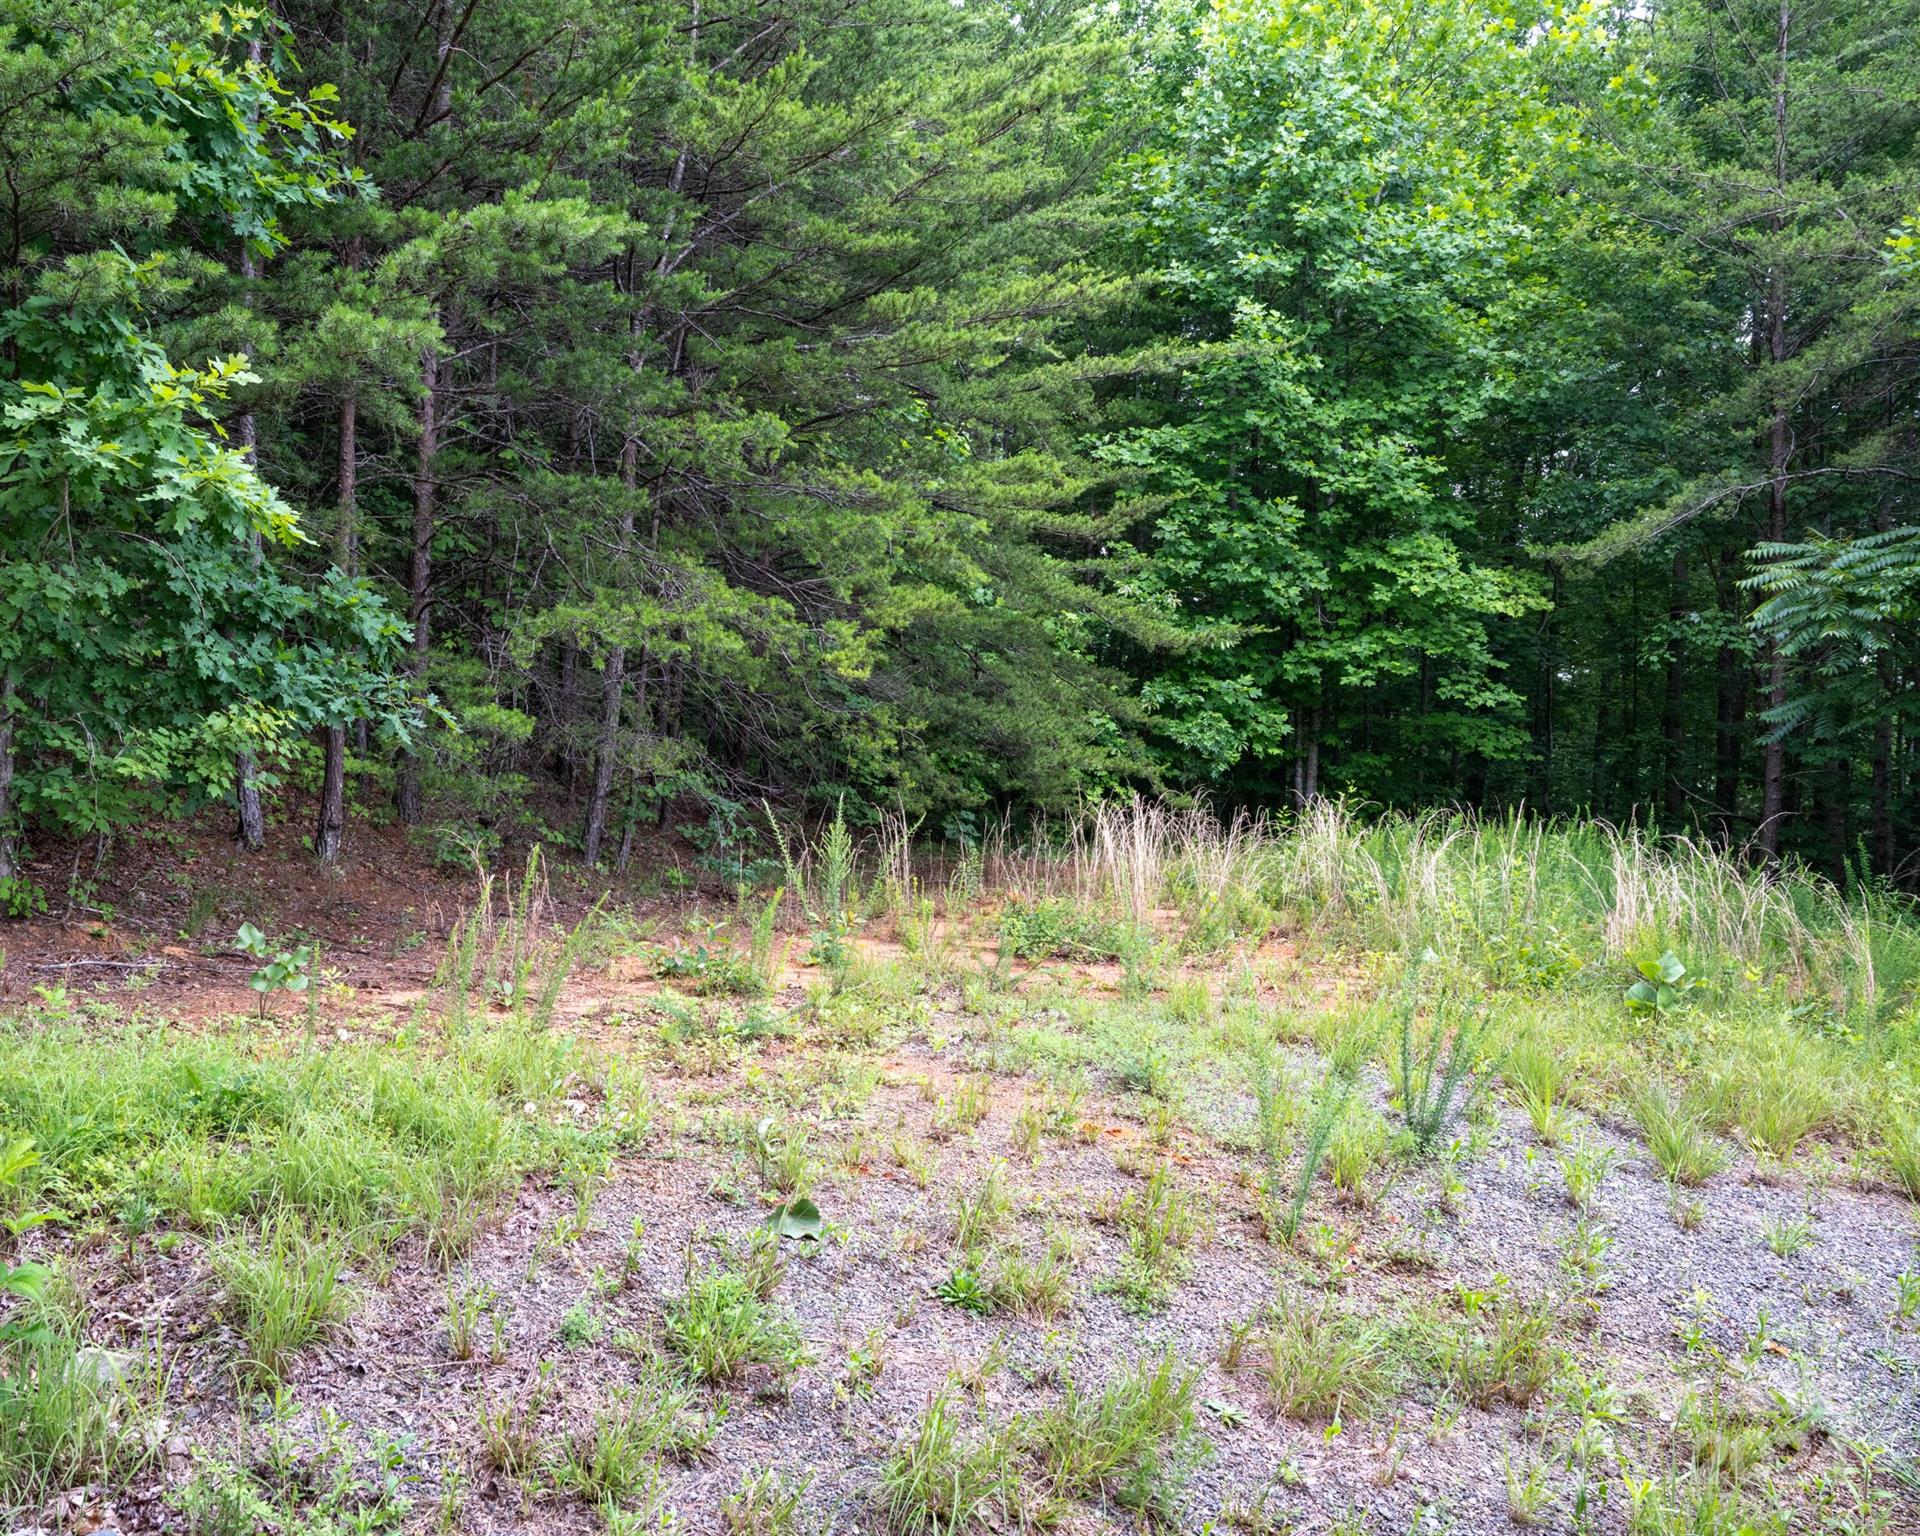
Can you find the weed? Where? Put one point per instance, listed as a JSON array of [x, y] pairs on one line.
[[712, 967], [721, 1325], [1688, 1503], [1028, 1127], [1123, 1440], [1583, 1257], [579, 1326], [1787, 1235], [1731, 1438], [767, 1504], [667, 1403], [285, 970], [1329, 1111], [611, 1459], [1676, 1136], [1359, 1138], [1054, 927], [1584, 1167], [939, 1480], [783, 1159], [1664, 985], [760, 920], [1431, 1076], [1276, 1109], [1190, 1002], [1906, 1295], [964, 1288], [1504, 1350], [1348, 1039], [282, 1289], [1320, 1364]]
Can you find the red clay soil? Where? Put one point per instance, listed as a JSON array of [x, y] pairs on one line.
[[161, 908]]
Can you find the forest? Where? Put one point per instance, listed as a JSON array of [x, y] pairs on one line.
[[547, 421]]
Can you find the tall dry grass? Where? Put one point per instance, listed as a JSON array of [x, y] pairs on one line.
[[1515, 897]]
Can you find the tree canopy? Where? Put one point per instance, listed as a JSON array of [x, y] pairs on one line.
[[524, 417]]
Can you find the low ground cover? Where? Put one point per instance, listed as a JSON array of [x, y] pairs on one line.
[[1408, 1177]]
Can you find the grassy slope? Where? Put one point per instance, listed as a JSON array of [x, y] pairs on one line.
[[1144, 1120]]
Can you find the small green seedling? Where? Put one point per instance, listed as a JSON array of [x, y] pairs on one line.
[[286, 970], [966, 1290], [1906, 1295], [1663, 985]]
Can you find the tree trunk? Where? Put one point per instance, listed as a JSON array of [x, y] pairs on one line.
[[1672, 724], [1729, 699], [9, 857], [250, 821], [612, 688], [332, 826], [1838, 783], [613, 681], [1883, 785], [1773, 766], [406, 788], [250, 817]]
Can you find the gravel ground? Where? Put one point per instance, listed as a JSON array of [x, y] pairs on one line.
[[1830, 1337]]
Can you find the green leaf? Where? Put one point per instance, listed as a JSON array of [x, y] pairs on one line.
[[797, 1219]]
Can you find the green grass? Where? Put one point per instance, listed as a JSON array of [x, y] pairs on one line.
[[1029, 1286], [1322, 1365], [65, 1419], [1899, 1151], [1535, 1075], [1124, 1440], [941, 1478], [1163, 1219], [1676, 1136], [768, 1503], [367, 1140], [302, 1161], [982, 1211], [722, 1324], [1776, 1088], [283, 1291]]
